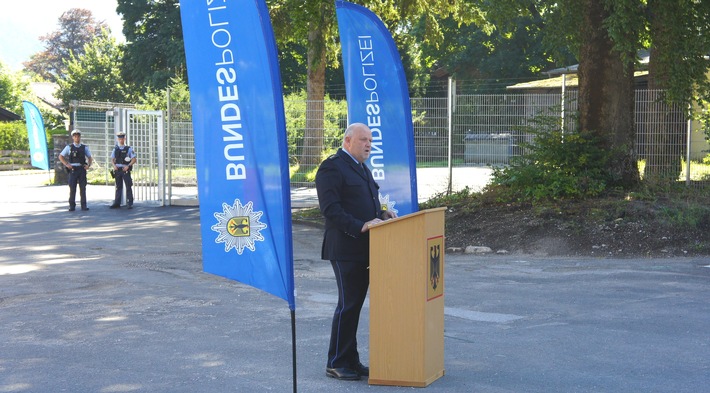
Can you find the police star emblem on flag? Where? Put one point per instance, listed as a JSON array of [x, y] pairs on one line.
[[386, 204], [238, 226]]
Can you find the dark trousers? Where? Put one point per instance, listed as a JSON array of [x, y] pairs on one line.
[[77, 176], [123, 177], [353, 279]]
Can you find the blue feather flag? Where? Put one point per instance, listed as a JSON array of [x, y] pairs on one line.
[[36, 136], [378, 96], [240, 144]]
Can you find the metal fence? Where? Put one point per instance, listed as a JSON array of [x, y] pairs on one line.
[[466, 130], [96, 122]]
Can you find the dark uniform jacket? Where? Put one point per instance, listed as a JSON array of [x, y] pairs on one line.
[[348, 197]]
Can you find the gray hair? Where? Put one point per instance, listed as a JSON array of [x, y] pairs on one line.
[[351, 129]]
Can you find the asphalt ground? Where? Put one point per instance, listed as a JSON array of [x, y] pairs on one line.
[[116, 301]]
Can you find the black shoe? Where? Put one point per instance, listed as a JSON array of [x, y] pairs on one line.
[[71, 209], [362, 370], [84, 208], [114, 206], [343, 374], [130, 206]]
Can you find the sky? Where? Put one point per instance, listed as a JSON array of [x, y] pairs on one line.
[[22, 22]]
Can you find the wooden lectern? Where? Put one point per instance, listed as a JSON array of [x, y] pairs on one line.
[[407, 300]]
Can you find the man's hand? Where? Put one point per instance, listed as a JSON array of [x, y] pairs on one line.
[[370, 223], [387, 214]]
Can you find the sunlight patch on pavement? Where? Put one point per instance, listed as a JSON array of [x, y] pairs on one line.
[[18, 269], [22, 268], [480, 316], [112, 319]]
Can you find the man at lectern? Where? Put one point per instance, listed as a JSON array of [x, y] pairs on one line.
[[349, 201]]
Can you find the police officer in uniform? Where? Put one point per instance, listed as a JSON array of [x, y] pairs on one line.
[[349, 200], [76, 157], [123, 157]]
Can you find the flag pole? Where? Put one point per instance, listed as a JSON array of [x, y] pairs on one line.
[[293, 344]]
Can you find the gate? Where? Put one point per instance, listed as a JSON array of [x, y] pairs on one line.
[[144, 133]]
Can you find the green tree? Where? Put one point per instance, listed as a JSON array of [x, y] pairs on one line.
[[13, 89], [606, 84], [96, 74], [154, 51], [308, 24], [77, 27], [156, 99], [679, 38], [606, 35], [476, 55], [313, 23]]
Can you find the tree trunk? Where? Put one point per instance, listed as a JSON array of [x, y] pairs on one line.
[[606, 96], [315, 95], [666, 126]]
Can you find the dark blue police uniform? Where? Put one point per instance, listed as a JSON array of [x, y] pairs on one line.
[[348, 197], [77, 175], [122, 155]]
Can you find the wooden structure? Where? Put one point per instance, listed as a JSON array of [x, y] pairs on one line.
[[407, 300]]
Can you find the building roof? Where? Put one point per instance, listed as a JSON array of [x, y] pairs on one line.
[[570, 76], [643, 57], [6, 115], [45, 92], [570, 81]]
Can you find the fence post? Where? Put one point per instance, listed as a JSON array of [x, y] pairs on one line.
[[450, 115], [168, 150], [562, 110], [688, 145]]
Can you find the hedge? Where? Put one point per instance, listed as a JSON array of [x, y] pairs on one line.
[[13, 136]]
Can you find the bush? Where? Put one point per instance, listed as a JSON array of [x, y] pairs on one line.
[[556, 165], [13, 136]]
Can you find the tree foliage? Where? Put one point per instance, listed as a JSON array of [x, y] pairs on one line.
[[157, 99], [77, 27], [311, 24], [679, 38], [95, 75], [471, 39], [477, 53], [606, 36], [13, 89], [154, 51]]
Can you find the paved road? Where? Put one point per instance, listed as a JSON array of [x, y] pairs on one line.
[[115, 301]]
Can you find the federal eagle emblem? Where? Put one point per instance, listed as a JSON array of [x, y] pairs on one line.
[[434, 265]]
